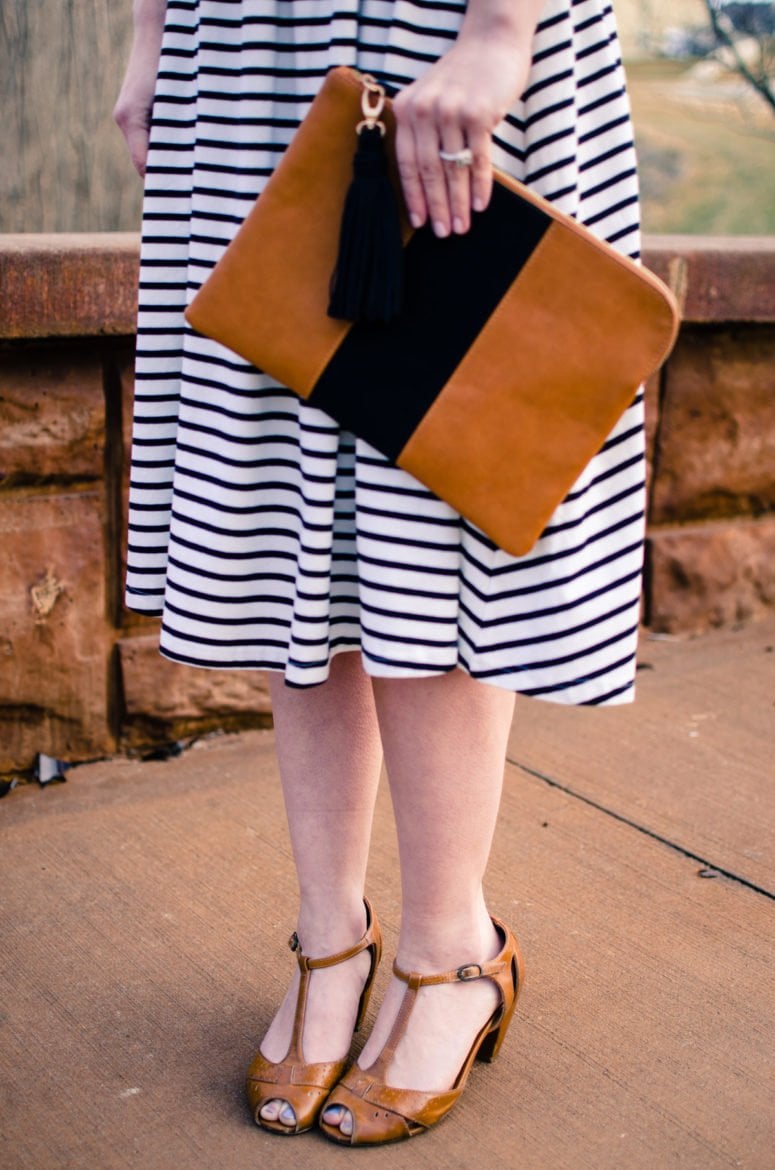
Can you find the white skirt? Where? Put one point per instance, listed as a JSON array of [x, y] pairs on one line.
[[265, 536]]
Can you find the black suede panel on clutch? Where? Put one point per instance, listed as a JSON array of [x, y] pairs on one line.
[[382, 379]]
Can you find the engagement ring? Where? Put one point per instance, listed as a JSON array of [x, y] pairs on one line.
[[461, 158]]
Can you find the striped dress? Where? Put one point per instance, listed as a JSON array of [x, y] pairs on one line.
[[265, 536]]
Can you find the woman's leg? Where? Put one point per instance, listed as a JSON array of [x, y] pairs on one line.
[[330, 757], [445, 742]]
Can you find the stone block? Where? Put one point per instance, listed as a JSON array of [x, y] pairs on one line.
[[715, 449], [52, 415], [55, 644], [710, 575], [166, 700]]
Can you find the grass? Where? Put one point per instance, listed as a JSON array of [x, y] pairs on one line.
[[707, 152]]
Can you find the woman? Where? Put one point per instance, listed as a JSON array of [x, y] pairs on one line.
[[269, 539]]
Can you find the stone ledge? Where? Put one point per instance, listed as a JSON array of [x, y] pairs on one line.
[[717, 278], [85, 284], [68, 285]]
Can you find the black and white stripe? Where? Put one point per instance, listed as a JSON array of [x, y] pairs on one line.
[[264, 535]]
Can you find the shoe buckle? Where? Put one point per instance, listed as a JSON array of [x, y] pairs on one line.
[[293, 942], [469, 971]]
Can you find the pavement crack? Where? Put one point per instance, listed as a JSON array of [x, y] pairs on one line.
[[735, 877]]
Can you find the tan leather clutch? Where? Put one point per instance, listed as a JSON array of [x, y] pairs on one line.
[[518, 347]]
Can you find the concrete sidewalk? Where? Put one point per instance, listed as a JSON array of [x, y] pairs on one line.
[[146, 907]]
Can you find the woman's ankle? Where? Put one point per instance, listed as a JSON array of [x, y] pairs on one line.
[[442, 944], [330, 924]]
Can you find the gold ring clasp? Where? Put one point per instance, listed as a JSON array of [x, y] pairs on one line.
[[372, 105]]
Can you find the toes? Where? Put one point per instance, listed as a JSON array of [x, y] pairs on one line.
[[287, 1116], [277, 1110], [333, 1114], [270, 1110], [340, 1118]]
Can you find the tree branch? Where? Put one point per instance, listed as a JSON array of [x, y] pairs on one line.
[[761, 83]]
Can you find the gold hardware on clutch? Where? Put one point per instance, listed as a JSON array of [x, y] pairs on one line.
[[372, 105]]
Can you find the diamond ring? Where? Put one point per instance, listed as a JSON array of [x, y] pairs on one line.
[[461, 158]]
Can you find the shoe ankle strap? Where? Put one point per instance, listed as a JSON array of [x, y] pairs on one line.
[[367, 939], [464, 974]]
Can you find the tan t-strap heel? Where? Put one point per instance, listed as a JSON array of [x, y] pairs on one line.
[[381, 1113], [306, 1086]]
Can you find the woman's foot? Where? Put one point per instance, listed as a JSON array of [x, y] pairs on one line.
[[333, 997], [444, 1021]]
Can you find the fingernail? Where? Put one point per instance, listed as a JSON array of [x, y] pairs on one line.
[[440, 229], [457, 225], [415, 220], [478, 204]]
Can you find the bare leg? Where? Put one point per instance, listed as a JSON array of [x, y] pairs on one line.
[[330, 757], [445, 742]]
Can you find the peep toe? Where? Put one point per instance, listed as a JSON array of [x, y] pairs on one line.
[[306, 1086], [381, 1113]]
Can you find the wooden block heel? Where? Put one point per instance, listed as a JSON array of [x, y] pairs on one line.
[[491, 1045]]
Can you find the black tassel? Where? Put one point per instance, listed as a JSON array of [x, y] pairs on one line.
[[367, 282]]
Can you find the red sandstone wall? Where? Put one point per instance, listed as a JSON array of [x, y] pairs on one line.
[[711, 547], [80, 676]]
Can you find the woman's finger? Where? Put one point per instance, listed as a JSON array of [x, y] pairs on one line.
[[450, 112], [411, 185], [431, 170], [457, 170], [480, 144]]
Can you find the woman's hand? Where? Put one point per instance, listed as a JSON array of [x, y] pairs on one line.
[[458, 103], [132, 111]]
